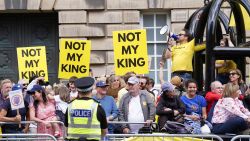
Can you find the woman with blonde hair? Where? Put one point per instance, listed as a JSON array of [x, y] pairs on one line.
[[116, 83], [235, 77], [230, 116]]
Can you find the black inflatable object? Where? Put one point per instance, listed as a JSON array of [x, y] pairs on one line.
[[172, 127], [210, 16]]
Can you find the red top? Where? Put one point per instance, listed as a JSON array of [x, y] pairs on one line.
[[211, 98]]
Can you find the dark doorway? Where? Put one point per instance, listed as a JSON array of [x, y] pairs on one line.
[[23, 30]]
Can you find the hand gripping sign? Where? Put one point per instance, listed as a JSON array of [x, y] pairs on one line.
[[130, 51], [16, 101]]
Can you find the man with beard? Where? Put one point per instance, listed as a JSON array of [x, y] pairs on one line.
[[135, 106], [107, 102], [144, 80], [6, 86], [24, 83], [9, 115]]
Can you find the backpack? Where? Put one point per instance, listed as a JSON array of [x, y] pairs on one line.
[[154, 90], [176, 128]]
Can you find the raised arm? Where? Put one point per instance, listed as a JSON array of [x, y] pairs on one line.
[[161, 76]]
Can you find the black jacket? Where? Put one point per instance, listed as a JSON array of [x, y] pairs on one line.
[[165, 102]]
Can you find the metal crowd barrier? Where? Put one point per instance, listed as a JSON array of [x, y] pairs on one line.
[[125, 122], [163, 137], [37, 137], [241, 137], [61, 124], [160, 136]]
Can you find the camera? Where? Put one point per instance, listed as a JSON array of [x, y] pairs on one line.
[[43, 83]]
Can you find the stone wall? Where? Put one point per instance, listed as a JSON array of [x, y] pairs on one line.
[[96, 19]]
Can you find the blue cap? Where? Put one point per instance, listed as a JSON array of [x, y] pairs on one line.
[[36, 88], [167, 86], [17, 87], [101, 84]]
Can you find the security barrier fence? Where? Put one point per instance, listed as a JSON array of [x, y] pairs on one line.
[[162, 137], [27, 137], [241, 138], [61, 124], [121, 137]]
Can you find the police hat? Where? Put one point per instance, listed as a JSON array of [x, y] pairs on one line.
[[84, 84]]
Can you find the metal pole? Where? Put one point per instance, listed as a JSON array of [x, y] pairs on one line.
[[210, 42]]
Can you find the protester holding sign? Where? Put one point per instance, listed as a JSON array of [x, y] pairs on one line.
[[6, 87], [14, 109]]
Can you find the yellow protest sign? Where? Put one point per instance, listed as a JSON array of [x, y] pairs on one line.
[[74, 58], [32, 61], [130, 51]]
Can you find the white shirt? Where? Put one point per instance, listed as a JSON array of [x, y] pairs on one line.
[[156, 93], [60, 105], [120, 94], [135, 114], [73, 95]]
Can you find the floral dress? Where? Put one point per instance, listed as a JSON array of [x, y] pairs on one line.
[[46, 112]]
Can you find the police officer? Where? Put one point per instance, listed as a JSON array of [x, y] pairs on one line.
[[85, 118]]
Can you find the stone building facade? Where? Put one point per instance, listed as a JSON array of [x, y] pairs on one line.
[[96, 19]]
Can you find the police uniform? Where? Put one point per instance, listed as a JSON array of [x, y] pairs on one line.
[[85, 117]]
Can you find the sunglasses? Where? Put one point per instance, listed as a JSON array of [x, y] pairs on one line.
[[142, 83], [233, 73], [219, 87], [25, 84]]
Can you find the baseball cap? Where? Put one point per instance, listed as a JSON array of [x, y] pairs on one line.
[[101, 84], [35, 88], [17, 87], [167, 86], [133, 80]]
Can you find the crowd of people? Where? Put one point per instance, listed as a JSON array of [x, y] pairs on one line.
[[132, 98], [87, 105]]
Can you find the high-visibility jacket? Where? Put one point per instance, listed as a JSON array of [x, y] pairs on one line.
[[82, 120]]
